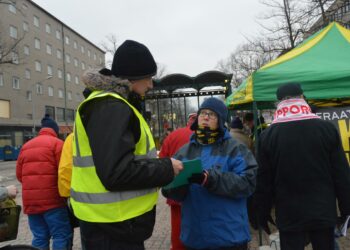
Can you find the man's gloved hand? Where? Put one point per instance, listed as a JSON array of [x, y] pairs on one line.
[[199, 178]]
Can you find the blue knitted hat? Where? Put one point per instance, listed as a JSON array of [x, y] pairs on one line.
[[47, 122], [216, 105]]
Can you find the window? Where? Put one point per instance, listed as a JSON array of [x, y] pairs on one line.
[[49, 49], [89, 53], [13, 32], [75, 44], [76, 80], [59, 54], [60, 93], [67, 58], [26, 50], [1, 79], [82, 65], [59, 73], [82, 49], [75, 62], [25, 26], [12, 8], [27, 74], [15, 58], [66, 39], [77, 97], [4, 109], [68, 77], [100, 60], [29, 95], [15, 82], [39, 88], [70, 114], [58, 34], [69, 95], [36, 43], [50, 110], [48, 28], [50, 91], [95, 56], [36, 21], [24, 6], [49, 70], [38, 66], [347, 6], [60, 114]]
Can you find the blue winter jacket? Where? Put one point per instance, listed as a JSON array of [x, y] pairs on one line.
[[215, 216]]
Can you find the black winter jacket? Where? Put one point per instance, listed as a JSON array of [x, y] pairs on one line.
[[302, 170], [113, 130]]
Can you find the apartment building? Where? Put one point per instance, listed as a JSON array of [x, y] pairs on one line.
[[339, 11], [48, 59]]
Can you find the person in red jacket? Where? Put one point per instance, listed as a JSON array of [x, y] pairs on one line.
[[37, 170], [172, 143]]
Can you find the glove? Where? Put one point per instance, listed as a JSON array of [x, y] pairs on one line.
[[199, 178]]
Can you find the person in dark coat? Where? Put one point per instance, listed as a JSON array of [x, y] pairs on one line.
[[302, 172], [119, 211]]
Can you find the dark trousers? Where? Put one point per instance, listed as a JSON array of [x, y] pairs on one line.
[[322, 239], [240, 247], [93, 238]]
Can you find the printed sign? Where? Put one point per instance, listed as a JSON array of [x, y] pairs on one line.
[[340, 117]]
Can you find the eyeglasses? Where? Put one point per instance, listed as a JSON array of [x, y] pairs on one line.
[[211, 115]]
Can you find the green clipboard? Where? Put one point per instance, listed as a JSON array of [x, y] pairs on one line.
[[190, 167]]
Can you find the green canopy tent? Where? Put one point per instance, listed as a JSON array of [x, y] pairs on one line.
[[321, 64]]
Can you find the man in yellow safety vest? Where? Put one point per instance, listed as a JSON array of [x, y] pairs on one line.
[[116, 174]]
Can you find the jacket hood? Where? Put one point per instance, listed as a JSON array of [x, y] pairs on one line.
[[94, 80]]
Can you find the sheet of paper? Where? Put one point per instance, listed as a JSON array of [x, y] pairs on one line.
[[341, 230], [190, 167]]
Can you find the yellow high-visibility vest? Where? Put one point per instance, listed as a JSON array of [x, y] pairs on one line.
[[90, 200]]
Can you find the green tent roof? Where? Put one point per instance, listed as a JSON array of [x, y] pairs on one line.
[[321, 64]]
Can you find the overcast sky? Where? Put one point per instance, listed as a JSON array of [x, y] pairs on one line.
[[187, 36]]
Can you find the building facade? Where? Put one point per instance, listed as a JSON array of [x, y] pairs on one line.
[[48, 59], [339, 11]]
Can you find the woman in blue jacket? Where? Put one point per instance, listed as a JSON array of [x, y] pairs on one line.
[[214, 212]]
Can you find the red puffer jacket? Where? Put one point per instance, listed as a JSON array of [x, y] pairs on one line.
[[37, 170]]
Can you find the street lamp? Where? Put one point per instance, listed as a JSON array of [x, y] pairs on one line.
[[33, 106]]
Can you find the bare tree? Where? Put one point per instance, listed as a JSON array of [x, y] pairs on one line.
[[287, 21], [161, 71], [247, 58], [10, 47], [324, 12], [110, 46]]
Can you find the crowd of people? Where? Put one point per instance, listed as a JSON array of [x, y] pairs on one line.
[[106, 177]]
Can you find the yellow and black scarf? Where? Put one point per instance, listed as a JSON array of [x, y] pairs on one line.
[[205, 135]]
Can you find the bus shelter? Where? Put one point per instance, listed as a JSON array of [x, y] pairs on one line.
[[175, 96]]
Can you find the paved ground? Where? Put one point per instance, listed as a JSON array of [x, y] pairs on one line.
[[161, 235]]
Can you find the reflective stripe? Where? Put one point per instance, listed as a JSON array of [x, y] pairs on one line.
[[85, 161], [147, 140], [109, 197], [88, 161], [150, 155], [76, 140]]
